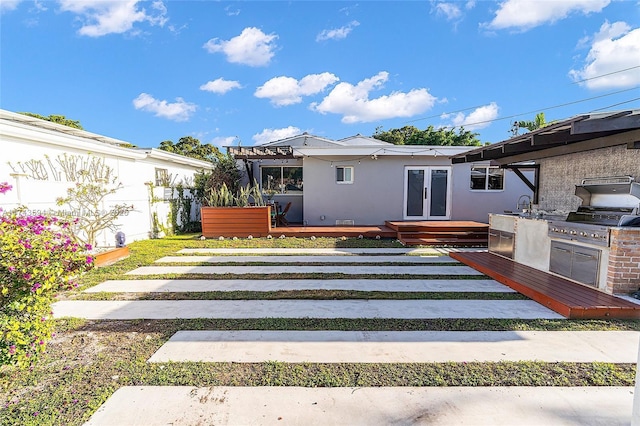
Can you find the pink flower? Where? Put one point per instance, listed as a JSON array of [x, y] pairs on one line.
[[12, 349], [89, 260], [5, 187]]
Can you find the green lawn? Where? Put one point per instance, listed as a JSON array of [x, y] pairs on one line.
[[88, 360]]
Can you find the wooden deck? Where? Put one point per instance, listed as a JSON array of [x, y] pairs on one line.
[[439, 232], [566, 297], [459, 233], [294, 230]]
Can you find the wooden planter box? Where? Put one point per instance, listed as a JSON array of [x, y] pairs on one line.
[[235, 221], [110, 257]]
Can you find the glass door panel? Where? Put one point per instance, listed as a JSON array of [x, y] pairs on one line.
[[439, 193], [415, 190]]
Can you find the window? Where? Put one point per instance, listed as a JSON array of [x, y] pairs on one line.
[[344, 174], [162, 177], [487, 178], [281, 179]]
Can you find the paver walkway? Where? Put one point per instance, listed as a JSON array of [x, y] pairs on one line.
[[399, 346], [306, 259], [311, 269], [150, 405], [491, 406], [184, 285], [403, 309], [323, 251]]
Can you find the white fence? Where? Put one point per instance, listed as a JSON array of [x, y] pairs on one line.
[[150, 217]]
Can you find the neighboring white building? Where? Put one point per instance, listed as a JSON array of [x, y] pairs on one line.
[[24, 138]]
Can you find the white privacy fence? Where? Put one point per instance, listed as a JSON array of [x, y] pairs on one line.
[[151, 217]]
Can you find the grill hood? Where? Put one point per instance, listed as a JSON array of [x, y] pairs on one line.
[[615, 191]]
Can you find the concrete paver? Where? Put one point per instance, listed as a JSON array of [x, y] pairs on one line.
[[402, 309], [327, 251], [305, 259], [183, 285], [317, 269], [495, 406], [399, 346]]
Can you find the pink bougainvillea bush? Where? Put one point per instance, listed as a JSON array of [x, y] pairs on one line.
[[38, 258]]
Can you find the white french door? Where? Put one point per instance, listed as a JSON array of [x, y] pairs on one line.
[[427, 193]]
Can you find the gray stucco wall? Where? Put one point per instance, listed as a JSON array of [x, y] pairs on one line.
[[377, 193], [559, 175], [476, 205]]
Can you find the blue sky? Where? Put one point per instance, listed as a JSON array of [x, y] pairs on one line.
[[252, 72]]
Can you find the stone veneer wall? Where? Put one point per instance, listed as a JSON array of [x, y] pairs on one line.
[[559, 175], [623, 272]]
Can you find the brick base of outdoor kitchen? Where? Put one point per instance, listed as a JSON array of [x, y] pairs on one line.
[[623, 273], [566, 297]]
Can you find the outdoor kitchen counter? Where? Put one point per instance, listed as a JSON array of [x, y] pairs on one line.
[[531, 240]]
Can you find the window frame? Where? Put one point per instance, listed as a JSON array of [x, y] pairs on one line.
[[343, 181], [282, 190], [487, 178], [161, 177]]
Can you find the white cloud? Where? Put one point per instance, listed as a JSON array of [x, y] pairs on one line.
[[527, 14], [232, 11], [177, 111], [283, 90], [252, 47], [270, 135], [615, 47], [337, 33], [8, 5], [220, 86], [354, 104], [478, 119], [102, 17], [221, 141], [450, 10]]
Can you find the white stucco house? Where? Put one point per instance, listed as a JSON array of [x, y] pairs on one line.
[[364, 181], [30, 154]]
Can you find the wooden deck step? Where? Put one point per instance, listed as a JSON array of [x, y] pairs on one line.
[[437, 226], [442, 241], [566, 297]]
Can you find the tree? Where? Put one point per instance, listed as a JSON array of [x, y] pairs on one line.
[[410, 135], [60, 119], [226, 172], [192, 147], [538, 123], [86, 201]]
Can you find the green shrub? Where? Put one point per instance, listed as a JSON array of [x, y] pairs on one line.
[[38, 257]]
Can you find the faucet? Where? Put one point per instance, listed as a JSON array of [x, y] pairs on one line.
[[522, 205]]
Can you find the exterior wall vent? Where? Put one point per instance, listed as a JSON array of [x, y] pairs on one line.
[[344, 222]]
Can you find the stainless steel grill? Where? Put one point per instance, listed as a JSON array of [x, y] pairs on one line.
[[606, 202]]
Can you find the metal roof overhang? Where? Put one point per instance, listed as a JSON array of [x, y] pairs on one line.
[[568, 132]]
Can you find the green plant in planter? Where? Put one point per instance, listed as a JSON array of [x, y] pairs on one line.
[[223, 197]]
